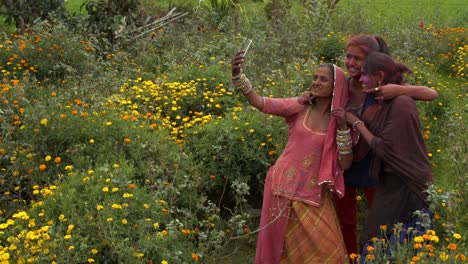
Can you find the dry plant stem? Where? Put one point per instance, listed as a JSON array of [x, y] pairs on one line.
[[280, 214]]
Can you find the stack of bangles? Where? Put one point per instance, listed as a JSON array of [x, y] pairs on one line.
[[344, 141], [241, 83]]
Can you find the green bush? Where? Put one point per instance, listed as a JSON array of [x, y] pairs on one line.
[[48, 53]]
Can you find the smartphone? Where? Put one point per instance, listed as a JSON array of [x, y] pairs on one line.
[[246, 46]]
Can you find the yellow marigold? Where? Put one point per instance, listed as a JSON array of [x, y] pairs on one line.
[[443, 256], [419, 239], [457, 236]]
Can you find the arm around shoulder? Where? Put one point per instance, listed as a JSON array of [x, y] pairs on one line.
[[422, 93]]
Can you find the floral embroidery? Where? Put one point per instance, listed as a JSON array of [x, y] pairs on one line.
[[312, 182], [308, 161], [290, 173]]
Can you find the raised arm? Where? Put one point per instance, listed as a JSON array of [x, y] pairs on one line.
[[242, 84], [390, 91]]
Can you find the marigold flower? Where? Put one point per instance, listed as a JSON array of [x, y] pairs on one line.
[[131, 186], [195, 257], [443, 256], [457, 236], [57, 160], [452, 246]]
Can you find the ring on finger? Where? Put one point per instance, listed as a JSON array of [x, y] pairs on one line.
[[376, 89]]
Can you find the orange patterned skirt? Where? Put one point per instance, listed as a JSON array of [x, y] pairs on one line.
[[314, 235]]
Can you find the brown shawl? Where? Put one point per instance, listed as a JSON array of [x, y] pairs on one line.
[[399, 145]]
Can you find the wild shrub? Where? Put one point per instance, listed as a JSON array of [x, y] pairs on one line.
[[46, 53]]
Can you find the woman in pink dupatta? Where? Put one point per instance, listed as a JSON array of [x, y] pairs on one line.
[[298, 221]]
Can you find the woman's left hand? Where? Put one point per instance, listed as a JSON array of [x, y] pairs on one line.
[[339, 114]]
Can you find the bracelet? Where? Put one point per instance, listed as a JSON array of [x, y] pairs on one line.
[[237, 77], [355, 124], [242, 84], [343, 132]]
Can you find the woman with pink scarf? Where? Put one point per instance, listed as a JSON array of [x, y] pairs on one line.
[[298, 221]]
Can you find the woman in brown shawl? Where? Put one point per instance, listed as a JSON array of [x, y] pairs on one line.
[[400, 165]]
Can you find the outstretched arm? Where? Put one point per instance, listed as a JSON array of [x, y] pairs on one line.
[[242, 84], [390, 91]]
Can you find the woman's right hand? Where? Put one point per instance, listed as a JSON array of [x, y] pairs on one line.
[[237, 63]]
